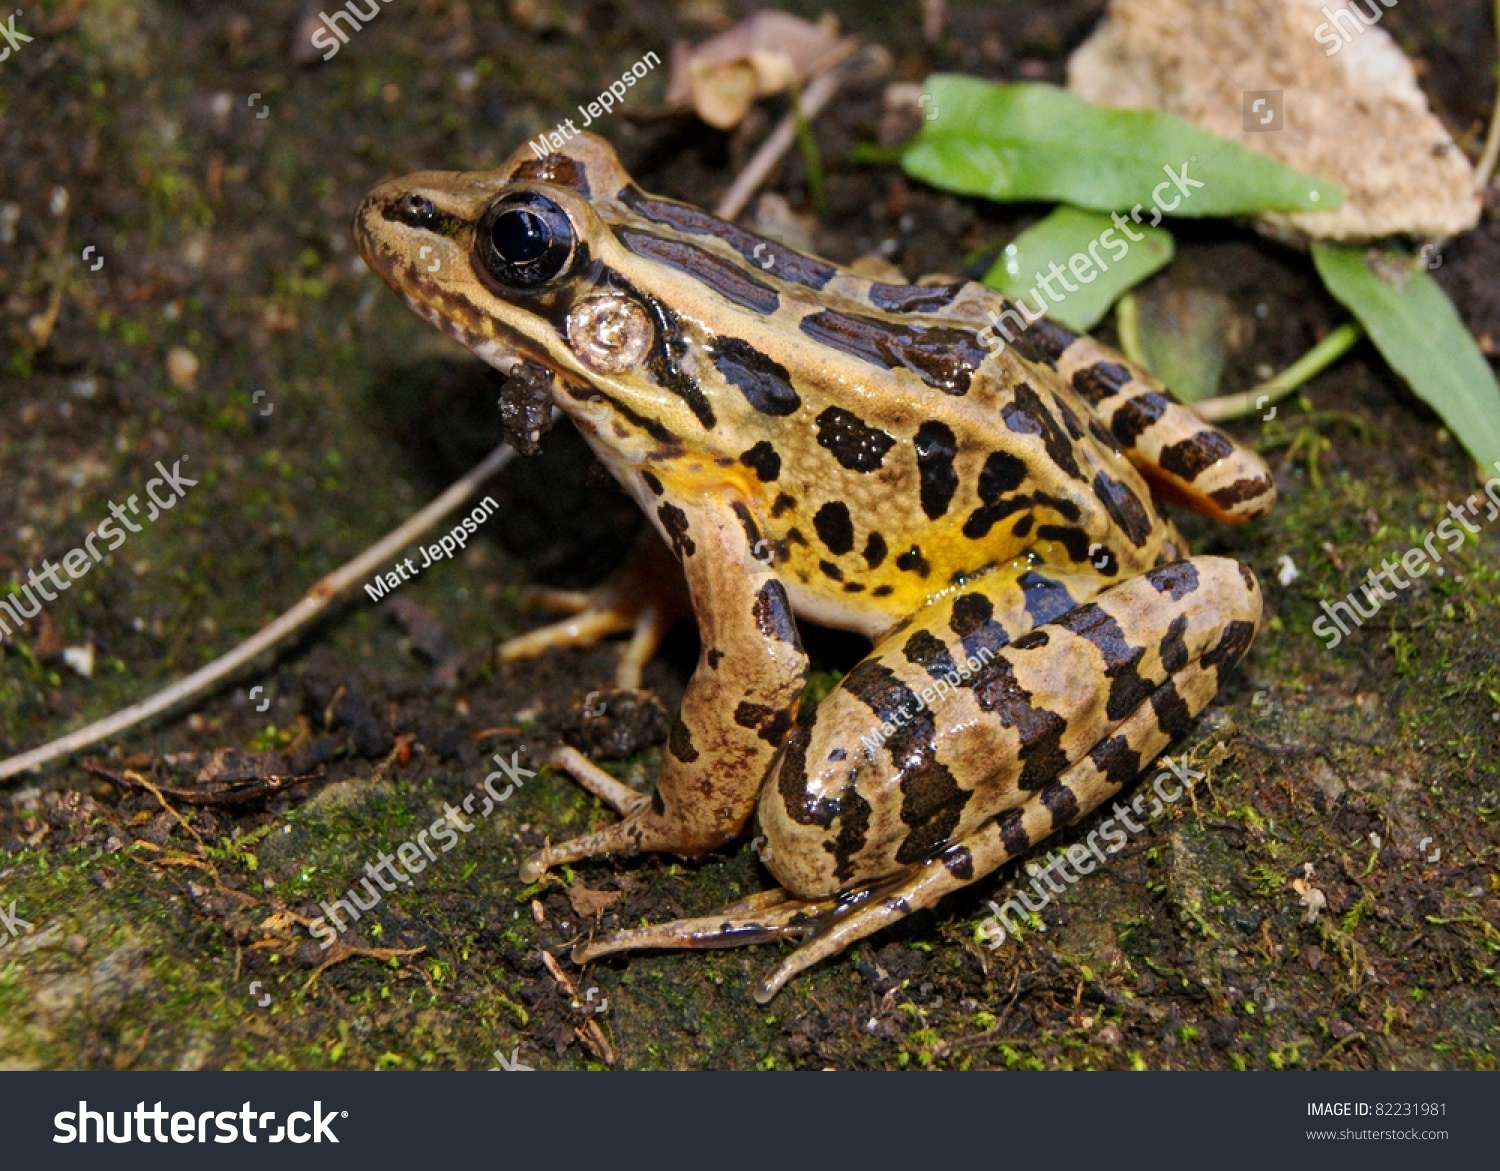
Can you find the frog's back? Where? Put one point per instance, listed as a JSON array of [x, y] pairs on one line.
[[942, 334]]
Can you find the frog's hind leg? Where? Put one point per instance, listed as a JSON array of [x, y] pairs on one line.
[[1139, 738], [835, 923], [1158, 643], [1057, 722], [647, 597]]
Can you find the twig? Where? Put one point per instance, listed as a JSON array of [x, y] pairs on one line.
[[1484, 170], [1273, 390], [872, 59], [256, 789], [316, 600], [137, 779], [589, 1032]]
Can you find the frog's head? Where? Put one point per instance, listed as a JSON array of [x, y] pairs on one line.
[[560, 264]]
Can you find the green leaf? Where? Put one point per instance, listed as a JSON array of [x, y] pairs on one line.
[[1185, 336], [1418, 331], [1078, 243], [1023, 141]]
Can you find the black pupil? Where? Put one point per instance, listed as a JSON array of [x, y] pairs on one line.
[[520, 237]]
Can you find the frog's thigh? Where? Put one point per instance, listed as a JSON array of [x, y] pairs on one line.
[[928, 738], [738, 706], [1151, 696]]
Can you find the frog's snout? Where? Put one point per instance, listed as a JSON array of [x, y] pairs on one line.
[[365, 229]]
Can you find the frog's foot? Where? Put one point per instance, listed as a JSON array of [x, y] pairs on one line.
[[597, 617], [642, 828], [772, 914], [645, 598]]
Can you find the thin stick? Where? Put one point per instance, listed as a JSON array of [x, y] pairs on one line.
[[316, 600], [819, 93], [1273, 390], [1484, 170]]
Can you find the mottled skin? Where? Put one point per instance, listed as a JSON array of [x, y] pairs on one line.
[[810, 444]]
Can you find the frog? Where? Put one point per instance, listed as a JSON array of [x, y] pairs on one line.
[[812, 445]]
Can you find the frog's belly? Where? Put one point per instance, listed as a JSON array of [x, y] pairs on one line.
[[833, 611]]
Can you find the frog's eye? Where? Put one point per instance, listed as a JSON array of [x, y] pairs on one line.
[[525, 240]]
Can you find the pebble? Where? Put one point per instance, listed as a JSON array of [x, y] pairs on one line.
[[182, 367]]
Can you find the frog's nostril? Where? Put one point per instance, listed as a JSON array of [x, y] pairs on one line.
[[414, 210]]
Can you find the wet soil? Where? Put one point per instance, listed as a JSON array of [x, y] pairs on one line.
[[1328, 898]]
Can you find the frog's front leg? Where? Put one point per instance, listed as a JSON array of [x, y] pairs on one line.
[[738, 707]]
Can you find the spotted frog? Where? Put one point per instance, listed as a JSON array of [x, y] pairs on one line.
[[975, 491]]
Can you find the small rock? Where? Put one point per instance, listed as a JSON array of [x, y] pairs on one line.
[[81, 659], [182, 367]]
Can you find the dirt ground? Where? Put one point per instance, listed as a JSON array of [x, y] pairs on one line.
[[215, 176]]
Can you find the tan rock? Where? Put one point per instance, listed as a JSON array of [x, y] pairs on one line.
[[1349, 107], [182, 367]]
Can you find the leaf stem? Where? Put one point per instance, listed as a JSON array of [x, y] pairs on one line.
[[1484, 170], [807, 146], [1273, 390], [1128, 327]]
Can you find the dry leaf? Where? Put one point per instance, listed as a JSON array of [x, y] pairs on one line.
[[764, 54], [589, 903], [1346, 107]]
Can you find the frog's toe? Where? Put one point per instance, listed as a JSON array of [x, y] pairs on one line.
[[593, 625], [645, 598], [758, 919], [589, 626]]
